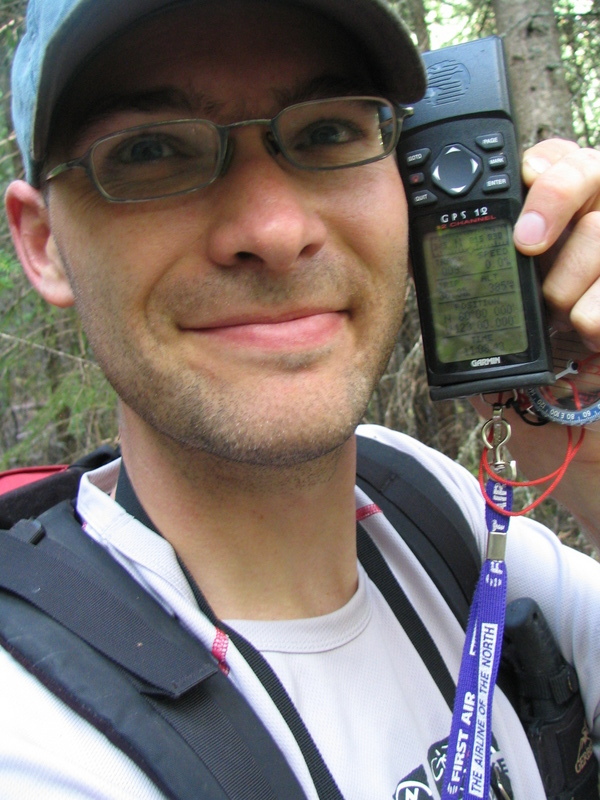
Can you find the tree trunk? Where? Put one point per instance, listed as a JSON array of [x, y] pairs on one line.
[[540, 93]]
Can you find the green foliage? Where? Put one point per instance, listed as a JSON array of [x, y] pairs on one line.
[[71, 421], [54, 402]]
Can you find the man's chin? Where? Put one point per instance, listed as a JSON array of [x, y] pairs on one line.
[[266, 448], [255, 427]]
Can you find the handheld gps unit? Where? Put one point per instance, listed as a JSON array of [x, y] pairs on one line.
[[479, 298]]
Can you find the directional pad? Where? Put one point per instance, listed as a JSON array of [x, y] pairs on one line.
[[456, 169]]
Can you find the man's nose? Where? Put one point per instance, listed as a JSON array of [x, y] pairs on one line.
[[264, 212]]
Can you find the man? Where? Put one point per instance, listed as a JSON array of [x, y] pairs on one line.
[[244, 314]]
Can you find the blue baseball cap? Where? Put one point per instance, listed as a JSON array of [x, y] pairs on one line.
[[62, 34]]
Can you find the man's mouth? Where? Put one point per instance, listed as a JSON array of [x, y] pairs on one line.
[[294, 331]]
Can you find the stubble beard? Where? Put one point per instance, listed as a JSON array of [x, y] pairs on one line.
[[237, 429], [197, 415]]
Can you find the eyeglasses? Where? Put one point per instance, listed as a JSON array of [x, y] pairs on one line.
[[163, 159]]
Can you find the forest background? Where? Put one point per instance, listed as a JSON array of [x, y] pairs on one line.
[[54, 402]]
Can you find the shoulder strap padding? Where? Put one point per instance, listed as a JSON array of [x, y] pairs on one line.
[[75, 581], [214, 749], [164, 685], [76, 674], [426, 517]]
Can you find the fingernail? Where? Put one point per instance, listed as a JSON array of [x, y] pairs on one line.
[[530, 229], [538, 164]]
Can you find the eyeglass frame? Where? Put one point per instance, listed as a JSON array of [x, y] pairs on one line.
[[225, 151]]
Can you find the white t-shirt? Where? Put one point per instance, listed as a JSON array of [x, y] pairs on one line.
[[366, 697]]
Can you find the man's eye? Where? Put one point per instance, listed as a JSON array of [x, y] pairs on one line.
[[328, 133], [144, 150]]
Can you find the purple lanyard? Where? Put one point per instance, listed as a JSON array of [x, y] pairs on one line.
[[467, 773]]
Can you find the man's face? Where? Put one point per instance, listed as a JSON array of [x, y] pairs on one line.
[[252, 318]]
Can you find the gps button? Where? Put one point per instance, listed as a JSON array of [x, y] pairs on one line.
[[456, 169]]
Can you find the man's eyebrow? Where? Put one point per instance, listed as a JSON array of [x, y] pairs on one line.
[[324, 86], [161, 99]]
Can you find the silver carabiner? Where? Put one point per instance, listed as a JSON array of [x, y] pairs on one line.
[[495, 433]]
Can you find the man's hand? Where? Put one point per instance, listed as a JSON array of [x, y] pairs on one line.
[[560, 225]]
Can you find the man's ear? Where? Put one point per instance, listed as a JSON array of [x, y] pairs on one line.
[[30, 228]]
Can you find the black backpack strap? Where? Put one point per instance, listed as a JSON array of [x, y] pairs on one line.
[[169, 707], [425, 515], [414, 627]]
